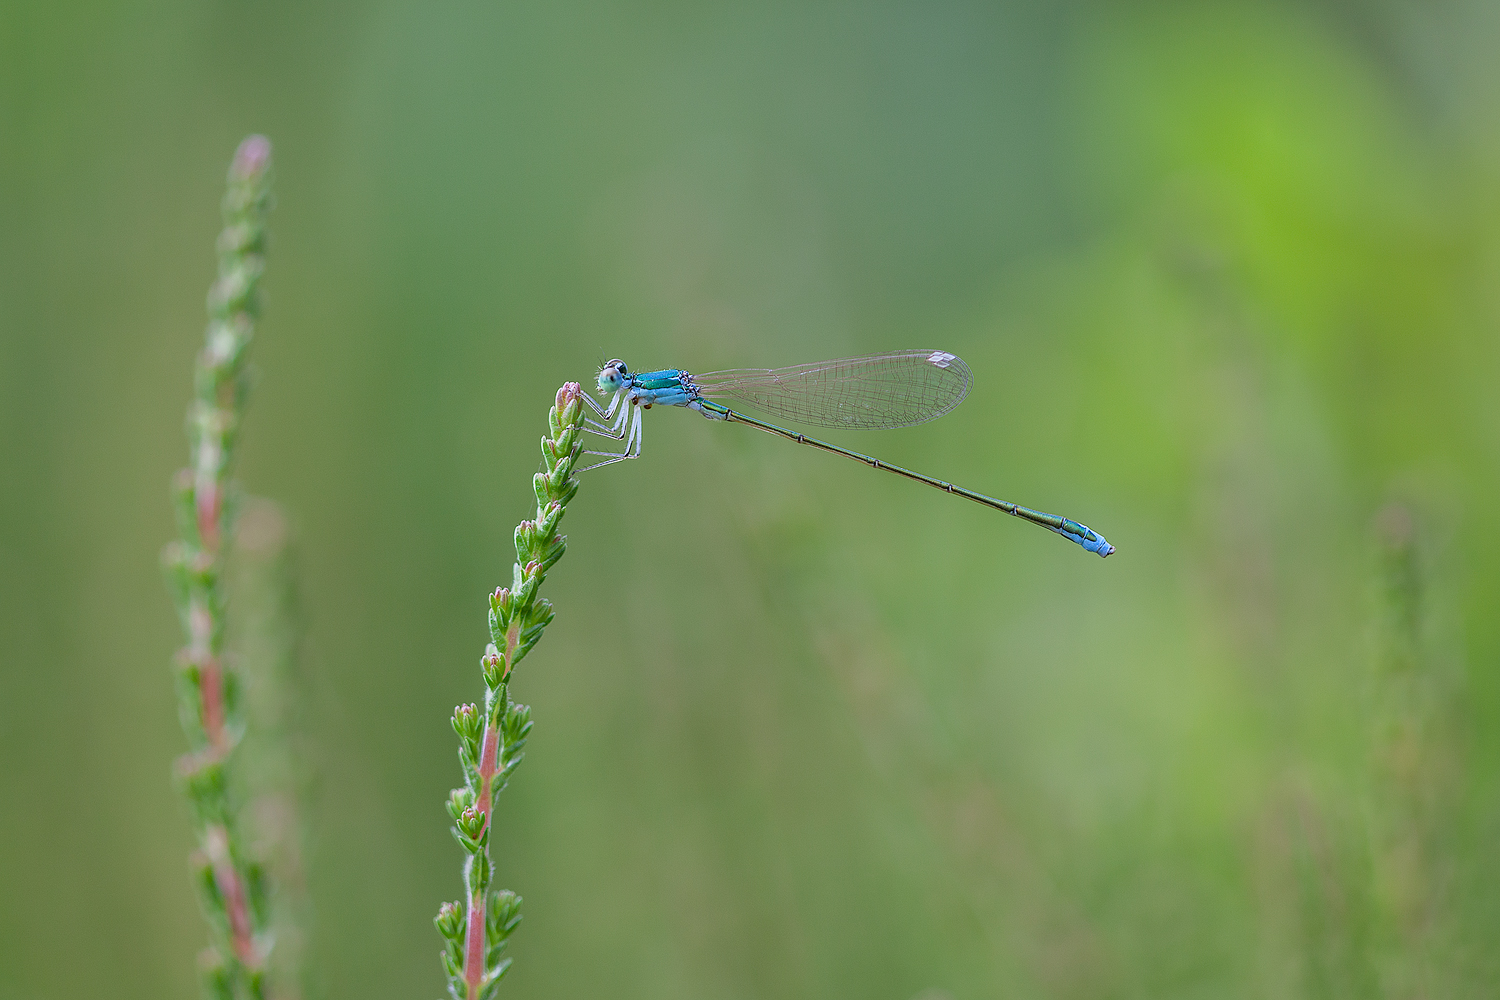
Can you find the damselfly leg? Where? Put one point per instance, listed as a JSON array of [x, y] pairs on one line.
[[610, 423], [632, 415]]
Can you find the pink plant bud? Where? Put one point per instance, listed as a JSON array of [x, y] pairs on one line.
[[251, 159], [450, 920]]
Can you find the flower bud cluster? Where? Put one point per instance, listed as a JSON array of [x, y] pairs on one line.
[[450, 923], [491, 740], [471, 830], [468, 723]]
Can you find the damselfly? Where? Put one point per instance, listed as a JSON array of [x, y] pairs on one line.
[[897, 389]]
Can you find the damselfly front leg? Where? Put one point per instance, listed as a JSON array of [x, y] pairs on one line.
[[610, 424], [632, 440]]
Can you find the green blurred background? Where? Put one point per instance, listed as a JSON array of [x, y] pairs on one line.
[[1226, 274]]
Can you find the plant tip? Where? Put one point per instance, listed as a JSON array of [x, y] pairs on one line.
[[252, 157]]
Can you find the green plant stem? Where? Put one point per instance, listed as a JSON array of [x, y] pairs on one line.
[[232, 886], [491, 740]]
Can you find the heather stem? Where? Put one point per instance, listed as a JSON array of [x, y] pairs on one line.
[[491, 739], [195, 569], [474, 947]]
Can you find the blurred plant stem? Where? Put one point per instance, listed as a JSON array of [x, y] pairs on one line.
[[1415, 771], [491, 741], [272, 768], [233, 886]]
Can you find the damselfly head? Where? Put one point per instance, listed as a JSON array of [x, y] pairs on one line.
[[612, 376]]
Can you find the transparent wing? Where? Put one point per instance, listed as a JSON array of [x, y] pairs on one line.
[[880, 390]]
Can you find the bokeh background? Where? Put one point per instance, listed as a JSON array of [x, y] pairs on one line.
[[1227, 274]]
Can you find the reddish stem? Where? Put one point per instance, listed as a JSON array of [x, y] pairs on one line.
[[489, 757], [210, 676], [233, 891], [211, 701], [211, 684], [474, 945], [208, 502], [232, 888]]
